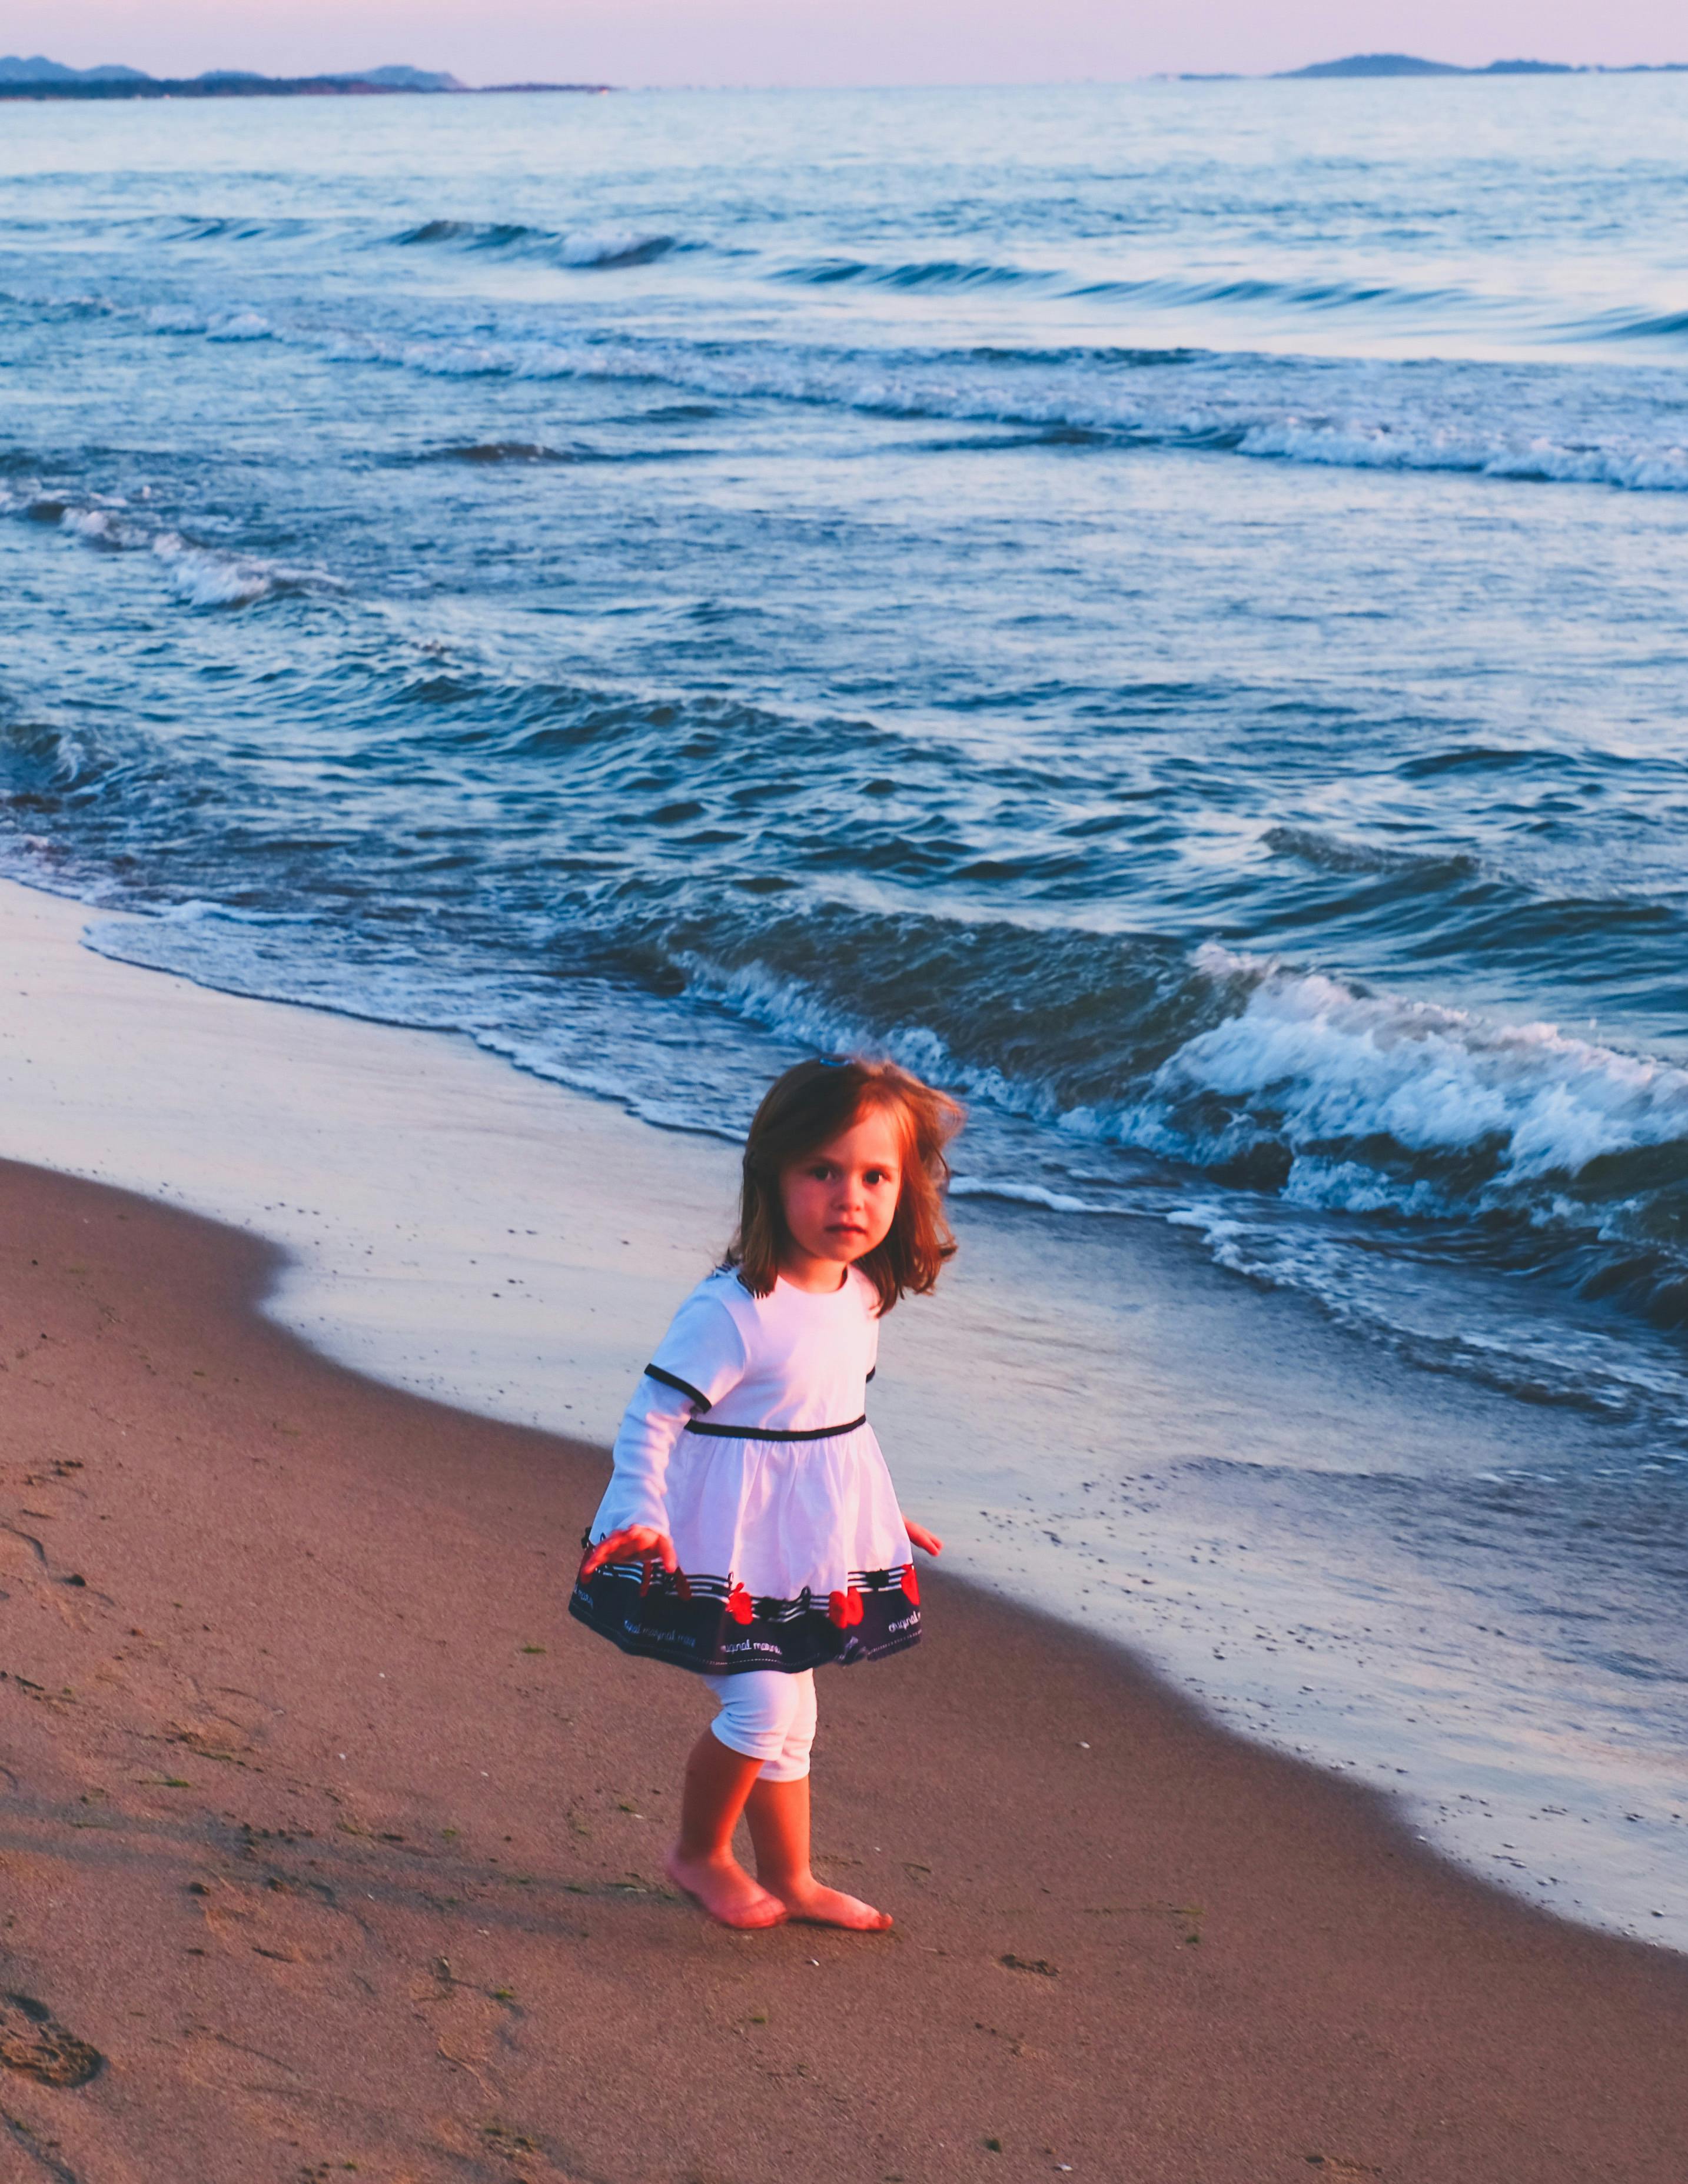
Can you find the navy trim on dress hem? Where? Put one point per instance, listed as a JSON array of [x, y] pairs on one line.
[[648, 1614]]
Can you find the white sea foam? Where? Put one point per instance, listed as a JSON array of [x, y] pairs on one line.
[[231, 323], [208, 579], [239, 326], [96, 525], [204, 575], [1023, 1193], [1354, 446], [1322, 1066], [199, 910]]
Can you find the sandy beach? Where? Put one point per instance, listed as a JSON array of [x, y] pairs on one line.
[[340, 1846], [336, 1843]]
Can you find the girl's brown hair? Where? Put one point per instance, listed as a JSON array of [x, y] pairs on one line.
[[805, 1109]]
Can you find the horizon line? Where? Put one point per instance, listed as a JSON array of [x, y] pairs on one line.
[[92, 83]]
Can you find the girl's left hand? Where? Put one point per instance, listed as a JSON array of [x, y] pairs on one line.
[[928, 1542]]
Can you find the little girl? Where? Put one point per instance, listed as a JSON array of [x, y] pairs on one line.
[[750, 1531]]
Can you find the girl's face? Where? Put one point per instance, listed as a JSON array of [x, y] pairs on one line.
[[840, 1201]]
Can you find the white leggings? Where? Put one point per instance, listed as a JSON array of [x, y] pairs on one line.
[[768, 1715]]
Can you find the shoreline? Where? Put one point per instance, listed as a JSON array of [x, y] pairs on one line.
[[1103, 1423], [337, 1840]]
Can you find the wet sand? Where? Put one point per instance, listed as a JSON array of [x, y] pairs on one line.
[[339, 1845]]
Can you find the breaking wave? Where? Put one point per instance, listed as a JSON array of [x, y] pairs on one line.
[[584, 250], [1155, 291], [933, 273], [1365, 1101], [204, 575], [1107, 393], [1571, 1156]]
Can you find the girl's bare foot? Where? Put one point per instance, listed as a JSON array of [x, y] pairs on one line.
[[723, 1888], [812, 1905]]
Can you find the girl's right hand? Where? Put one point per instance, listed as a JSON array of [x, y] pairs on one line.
[[633, 1543]]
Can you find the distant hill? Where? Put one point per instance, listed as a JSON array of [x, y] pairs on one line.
[[37, 77], [1378, 64], [399, 78], [1410, 64], [40, 70]]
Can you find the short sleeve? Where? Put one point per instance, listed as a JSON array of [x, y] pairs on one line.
[[703, 1354]]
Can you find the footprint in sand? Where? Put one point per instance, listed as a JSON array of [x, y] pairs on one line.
[[280, 1921], [474, 2028], [32, 2041]]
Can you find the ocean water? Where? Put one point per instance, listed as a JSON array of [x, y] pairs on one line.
[[1161, 605]]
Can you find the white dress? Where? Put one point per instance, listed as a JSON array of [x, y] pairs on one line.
[[747, 1442]]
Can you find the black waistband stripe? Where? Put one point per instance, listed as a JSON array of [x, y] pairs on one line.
[[775, 1433]]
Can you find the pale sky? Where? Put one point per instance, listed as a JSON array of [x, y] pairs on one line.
[[826, 42]]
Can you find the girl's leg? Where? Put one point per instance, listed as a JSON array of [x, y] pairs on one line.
[[755, 1713], [777, 1809]]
